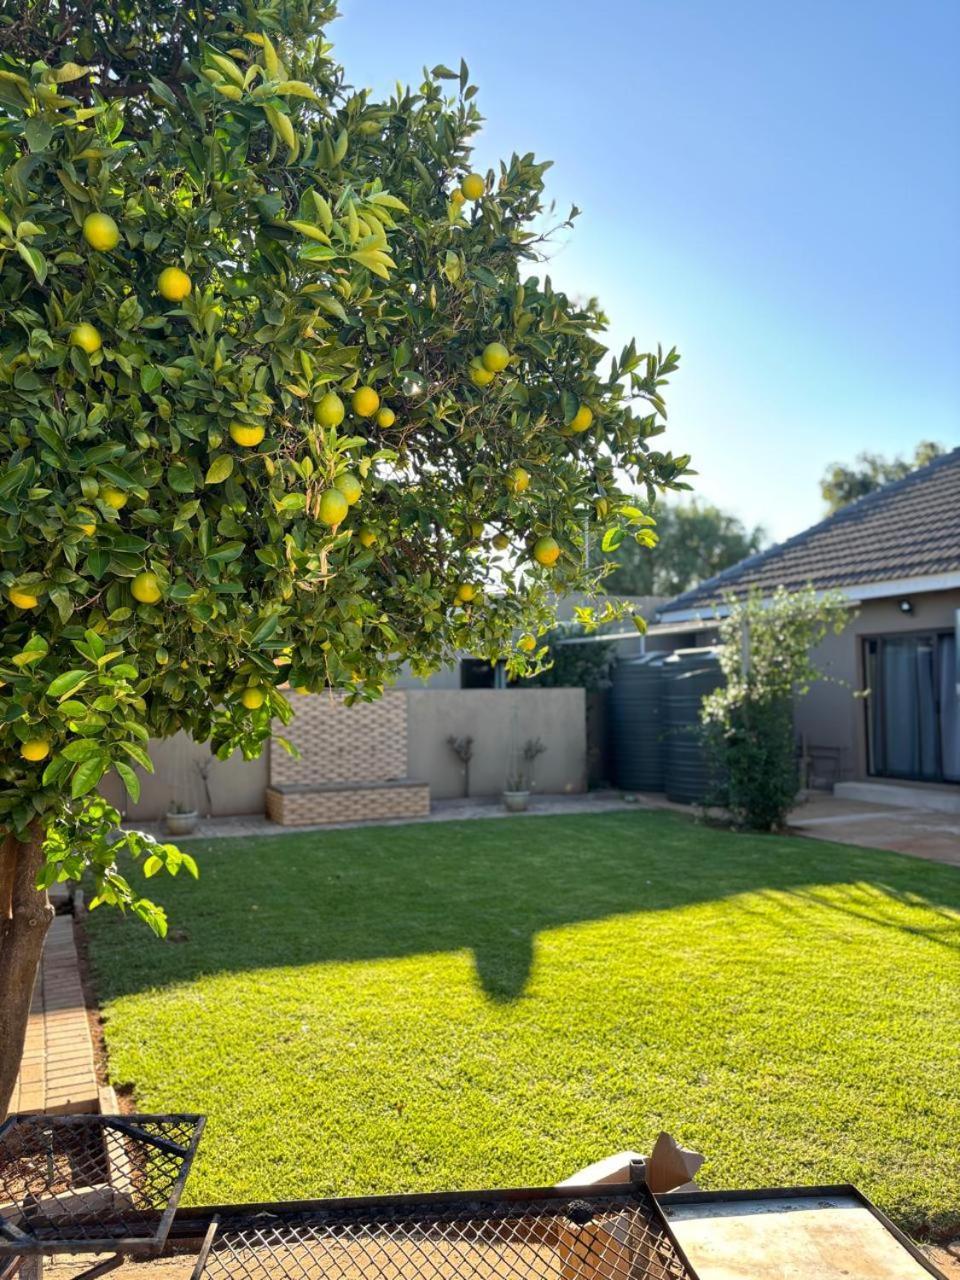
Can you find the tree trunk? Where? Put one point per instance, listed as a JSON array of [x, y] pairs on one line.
[[25, 915]]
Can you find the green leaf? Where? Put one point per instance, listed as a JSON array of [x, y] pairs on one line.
[[136, 752], [229, 551], [129, 779], [220, 468], [87, 775], [67, 683], [265, 630], [81, 749], [35, 648], [163, 93], [611, 539], [34, 260], [181, 479], [38, 133]]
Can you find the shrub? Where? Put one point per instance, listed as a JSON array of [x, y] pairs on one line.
[[765, 656]]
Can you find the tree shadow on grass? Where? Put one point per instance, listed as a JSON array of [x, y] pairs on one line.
[[489, 887]]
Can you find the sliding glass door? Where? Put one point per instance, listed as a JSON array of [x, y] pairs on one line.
[[913, 721]]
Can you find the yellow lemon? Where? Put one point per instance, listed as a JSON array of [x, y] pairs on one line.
[[501, 541], [146, 588], [333, 507], [173, 284], [252, 698], [86, 337], [349, 486], [480, 375], [546, 551], [365, 402], [367, 536], [457, 197], [245, 434], [495, 357], [22, 599], [329, 412], [35, 749], [101, 232], [115, 498], [527, 642], [473, 186], [517, 480], [386, 418], [582, 419], [466, 592], [87, 524], [476, 529]]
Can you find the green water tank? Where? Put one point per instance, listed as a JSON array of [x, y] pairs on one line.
[[636, 723], [688, 674]]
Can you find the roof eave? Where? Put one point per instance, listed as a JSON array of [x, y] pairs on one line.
[[855, 592]]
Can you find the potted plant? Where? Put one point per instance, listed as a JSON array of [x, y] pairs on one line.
[[180, 820], [519, 780]]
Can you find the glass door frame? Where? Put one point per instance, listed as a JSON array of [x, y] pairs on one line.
[[936, 635]]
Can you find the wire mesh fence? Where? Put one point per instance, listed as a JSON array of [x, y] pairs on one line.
[[529, 1236], [92, 1182]]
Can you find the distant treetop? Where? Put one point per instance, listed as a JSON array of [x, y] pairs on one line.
[[842, 485]]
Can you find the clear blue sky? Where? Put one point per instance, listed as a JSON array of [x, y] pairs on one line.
[[775, 188]]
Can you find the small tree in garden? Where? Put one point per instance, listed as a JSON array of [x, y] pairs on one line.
[[766, 659], [286, 399]]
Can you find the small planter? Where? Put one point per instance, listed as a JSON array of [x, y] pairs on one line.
[[182, 824], [515, 801]]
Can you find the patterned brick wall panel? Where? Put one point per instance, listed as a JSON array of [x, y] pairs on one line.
[[365, 742]]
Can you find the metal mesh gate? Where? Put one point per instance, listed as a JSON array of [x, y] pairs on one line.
[[92, 1183], [502, 1236]]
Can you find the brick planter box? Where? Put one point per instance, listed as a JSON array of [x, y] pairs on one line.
[[307, 804]]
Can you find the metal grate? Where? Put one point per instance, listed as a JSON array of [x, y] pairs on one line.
[[503, 1236], [93, 1182]]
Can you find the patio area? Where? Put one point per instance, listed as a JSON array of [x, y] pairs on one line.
[[922, 833]]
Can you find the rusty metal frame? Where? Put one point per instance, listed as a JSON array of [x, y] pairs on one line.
[[791, 1193], [21, 1245]]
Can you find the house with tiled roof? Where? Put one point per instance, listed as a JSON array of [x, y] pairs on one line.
[[895, 554]]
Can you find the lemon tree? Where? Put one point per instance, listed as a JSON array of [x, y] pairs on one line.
[[288, 399]]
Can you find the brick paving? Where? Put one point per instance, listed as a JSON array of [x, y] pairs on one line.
[[57, 1074]]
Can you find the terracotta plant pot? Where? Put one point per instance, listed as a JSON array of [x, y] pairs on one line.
[[515, 801]]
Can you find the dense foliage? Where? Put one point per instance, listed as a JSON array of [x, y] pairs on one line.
[[574, 657], [767, 660], [695, 540], [286, 396], [842, 485]]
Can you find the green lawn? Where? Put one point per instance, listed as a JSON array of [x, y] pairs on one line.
[[490, 1003]]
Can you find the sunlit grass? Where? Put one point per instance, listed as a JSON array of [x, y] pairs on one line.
[[484, 1003]]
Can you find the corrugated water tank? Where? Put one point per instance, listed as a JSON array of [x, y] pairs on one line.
[[636, 723], [688, 674]]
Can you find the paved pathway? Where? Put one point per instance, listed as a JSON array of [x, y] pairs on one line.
[[922, 833], [255, 824], [57, 1074]]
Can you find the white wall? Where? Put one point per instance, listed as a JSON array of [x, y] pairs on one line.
[[556, 716]]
